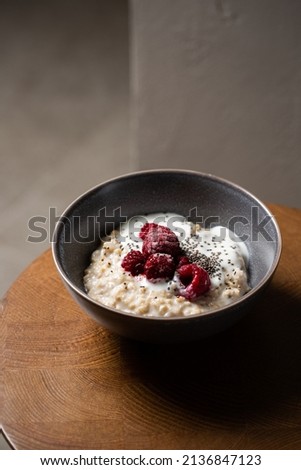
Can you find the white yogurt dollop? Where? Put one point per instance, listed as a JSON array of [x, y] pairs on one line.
[[217, 250]]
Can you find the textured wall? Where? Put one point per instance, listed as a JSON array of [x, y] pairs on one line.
[[217, 88]]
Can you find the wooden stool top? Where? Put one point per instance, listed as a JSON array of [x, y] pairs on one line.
[[67, 383]]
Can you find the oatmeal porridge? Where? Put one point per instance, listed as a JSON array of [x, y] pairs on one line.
[[162, 265]]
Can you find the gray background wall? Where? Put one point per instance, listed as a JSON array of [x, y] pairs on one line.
[[64, 104], [217, 88]]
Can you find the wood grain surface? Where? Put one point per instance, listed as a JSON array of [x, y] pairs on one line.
[[67, 383]]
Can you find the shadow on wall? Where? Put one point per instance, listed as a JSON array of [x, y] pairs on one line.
[[64, 92]]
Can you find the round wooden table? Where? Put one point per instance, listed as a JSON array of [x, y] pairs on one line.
[[67, 383]]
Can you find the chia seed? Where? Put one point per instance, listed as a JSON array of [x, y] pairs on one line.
[[211, 263]]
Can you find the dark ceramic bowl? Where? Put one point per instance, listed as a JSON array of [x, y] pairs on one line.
[[214, 200]]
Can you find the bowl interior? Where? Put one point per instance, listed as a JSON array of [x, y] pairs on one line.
[[211, 200]]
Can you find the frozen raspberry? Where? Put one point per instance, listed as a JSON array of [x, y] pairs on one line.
[[146, 228], [159, 239], [152, 227], [159, 266], [134, 262], [182, 261], [195, 281]]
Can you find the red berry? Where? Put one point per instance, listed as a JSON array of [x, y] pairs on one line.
[[152, 227], [182, 261], [195, 281], [159, 239], [146, 228], [159, 266], [134, 262]]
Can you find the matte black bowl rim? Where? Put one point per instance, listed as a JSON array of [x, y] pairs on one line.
[[213, 312]]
